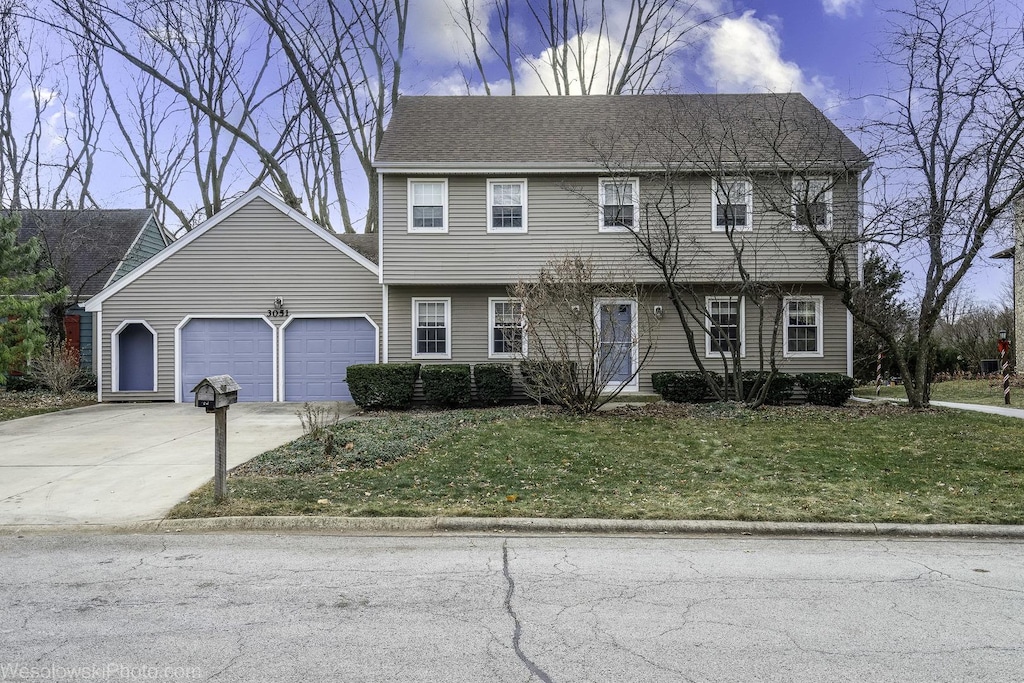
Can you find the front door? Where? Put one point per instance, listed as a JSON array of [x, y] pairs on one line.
[[617, 345]]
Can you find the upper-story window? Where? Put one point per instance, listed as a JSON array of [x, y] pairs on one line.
[[812, 203], [506, 206], [428, 205], [620, 203], [732, 204]]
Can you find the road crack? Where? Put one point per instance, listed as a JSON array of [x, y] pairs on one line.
[[517, 631]]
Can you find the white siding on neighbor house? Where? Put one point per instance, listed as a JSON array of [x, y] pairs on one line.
[[237, 269], [564, 217], [470, 323]]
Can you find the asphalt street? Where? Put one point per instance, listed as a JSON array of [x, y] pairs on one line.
[[500, 607]]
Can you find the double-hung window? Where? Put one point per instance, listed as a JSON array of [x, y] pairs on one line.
[[812, 203], [428, 205], [802, 327], [619, 199], [732, 204], [431, 328], [507, 338], [506, 206], [724, 323]]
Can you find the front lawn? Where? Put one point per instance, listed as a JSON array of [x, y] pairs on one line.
[[15, 404], [857, 463], [984, 391]]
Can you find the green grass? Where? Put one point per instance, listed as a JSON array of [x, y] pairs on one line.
[[860, 463], [15, 404], [983, 391]]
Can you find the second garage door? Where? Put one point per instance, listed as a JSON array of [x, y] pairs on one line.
[[317, 352], [240, 347]]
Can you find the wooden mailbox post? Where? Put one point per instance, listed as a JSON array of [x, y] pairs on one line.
[[216, 394]]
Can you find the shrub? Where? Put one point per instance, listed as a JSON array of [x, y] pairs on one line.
[[687, 386], [780, 391], [447, 386], [21, 383], [826, 388], [56, 368], [383, 387], [493, 382], [548, 380]]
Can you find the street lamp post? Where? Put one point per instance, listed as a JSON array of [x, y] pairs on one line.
[[1004, 361]]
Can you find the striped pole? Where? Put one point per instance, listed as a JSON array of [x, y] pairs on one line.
[[878, 372], [1004, 358]]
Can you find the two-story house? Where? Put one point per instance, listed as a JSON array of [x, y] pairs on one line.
[[480, 192], [477, 193]]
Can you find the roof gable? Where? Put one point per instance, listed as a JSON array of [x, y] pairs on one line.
[[557, 131], [255, 194]]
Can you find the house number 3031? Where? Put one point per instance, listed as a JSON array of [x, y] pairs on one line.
[[277, 312]]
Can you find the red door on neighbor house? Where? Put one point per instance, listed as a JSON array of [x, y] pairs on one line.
[[73, 333]]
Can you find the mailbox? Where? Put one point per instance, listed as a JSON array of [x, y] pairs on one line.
[[218, 391]]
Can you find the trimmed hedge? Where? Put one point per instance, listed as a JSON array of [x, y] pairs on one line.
[[493, 382], [779, 392], [826, 388], [687, 386], [447, 386], [386, 386]]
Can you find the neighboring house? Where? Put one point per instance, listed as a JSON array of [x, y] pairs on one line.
[[479, 192], [258, 292], [90, 249]]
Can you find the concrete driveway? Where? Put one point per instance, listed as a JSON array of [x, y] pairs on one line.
[[116, 463]]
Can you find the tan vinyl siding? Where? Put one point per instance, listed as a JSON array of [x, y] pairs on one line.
[[563, 218], [237, 269], [469, 328]]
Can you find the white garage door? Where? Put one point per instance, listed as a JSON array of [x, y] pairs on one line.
[[240, 347], [317, 352]]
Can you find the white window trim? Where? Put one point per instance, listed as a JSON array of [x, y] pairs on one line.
[[819, 313], [444, 203], [490, 330], [601, 182], [826, 197], [491, 182], [447, 301], [750, 204], [633, 385], [742, 333], [115, 356]]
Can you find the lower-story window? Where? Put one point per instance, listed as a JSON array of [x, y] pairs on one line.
[[802, 329], [724, 326], [431, 328], [506, 338]]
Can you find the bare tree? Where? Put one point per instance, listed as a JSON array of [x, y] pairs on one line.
[[587, 335], [203, 53], [588, 47], [952, 150]]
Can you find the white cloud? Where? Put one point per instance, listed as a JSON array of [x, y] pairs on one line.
[[840, 8], [435, 36], [745, 55]]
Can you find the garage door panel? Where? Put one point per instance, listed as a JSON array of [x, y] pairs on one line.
[[318, 352], [242, 348]]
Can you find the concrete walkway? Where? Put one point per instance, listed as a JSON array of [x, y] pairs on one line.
[[1005, 411], [118, 463]]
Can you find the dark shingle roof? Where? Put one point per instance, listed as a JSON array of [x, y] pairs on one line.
[[87, 244], [366, 245], [523, 131]]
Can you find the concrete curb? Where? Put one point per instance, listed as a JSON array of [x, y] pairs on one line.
[[466, 525]]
